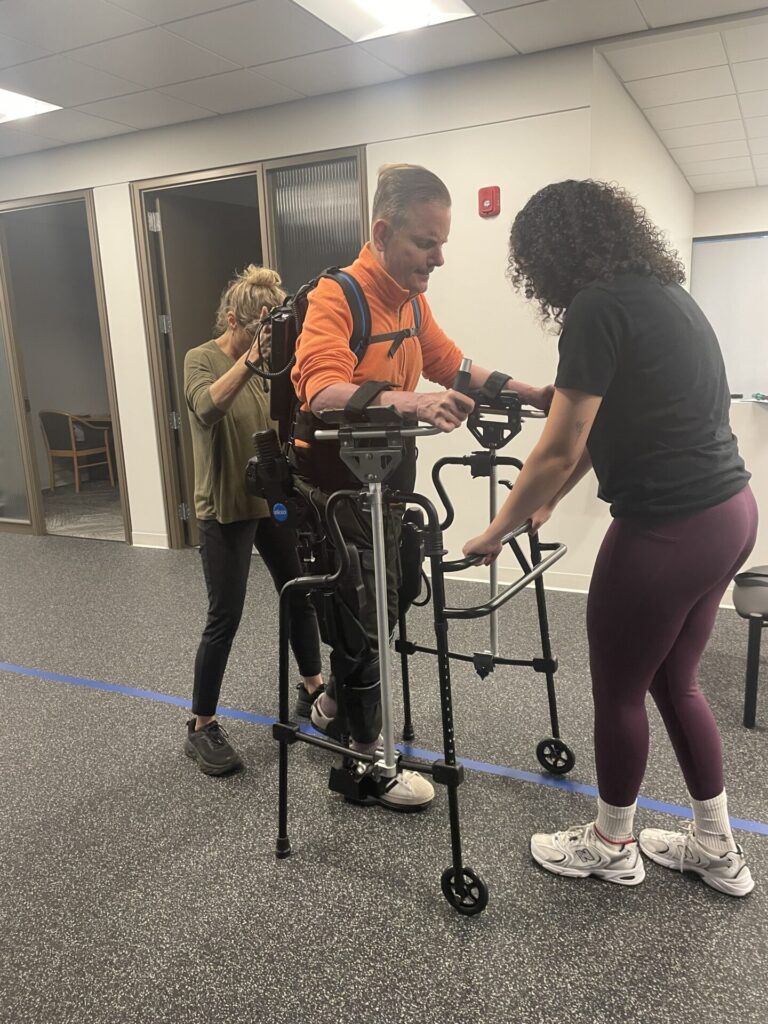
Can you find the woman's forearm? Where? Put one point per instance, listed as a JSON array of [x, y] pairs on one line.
[[580, 470], [542, 478], [226, 389]]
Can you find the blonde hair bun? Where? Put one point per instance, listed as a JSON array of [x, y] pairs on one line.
[[261, 277]]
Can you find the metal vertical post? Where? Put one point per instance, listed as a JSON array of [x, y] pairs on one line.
[[387, 767]]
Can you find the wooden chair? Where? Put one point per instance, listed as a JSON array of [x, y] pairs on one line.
[[69, 437]]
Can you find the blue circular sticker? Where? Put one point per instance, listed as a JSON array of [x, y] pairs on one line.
[[279, 512]]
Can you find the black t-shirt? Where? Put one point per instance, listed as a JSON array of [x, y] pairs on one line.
[[661, 443]]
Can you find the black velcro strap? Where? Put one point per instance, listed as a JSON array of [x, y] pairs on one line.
[[494, 385], [365, 394]]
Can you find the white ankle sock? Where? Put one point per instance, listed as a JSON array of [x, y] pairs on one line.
[[327, 705], [615, 823], [711, 823]]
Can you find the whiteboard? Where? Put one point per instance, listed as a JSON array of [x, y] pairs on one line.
[[729, 280]]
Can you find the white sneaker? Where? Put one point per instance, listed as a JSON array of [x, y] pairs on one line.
[[580, 852], [408, 791], [726, 872]]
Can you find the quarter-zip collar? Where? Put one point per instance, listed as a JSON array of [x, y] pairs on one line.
[[372, 276]]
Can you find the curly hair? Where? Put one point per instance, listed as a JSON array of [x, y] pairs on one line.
[[572, 233]]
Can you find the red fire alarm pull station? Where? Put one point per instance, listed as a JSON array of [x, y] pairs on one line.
[[489, 201]]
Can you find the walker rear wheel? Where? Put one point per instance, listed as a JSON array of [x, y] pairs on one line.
[[555, 756], [473, 900]]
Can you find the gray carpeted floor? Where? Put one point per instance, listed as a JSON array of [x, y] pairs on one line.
[[134, 889]]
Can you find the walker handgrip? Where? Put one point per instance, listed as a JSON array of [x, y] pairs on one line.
[[466, 563], [333, 435], [480, 611]]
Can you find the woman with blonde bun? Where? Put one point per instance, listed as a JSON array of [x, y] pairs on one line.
[[227, 404]]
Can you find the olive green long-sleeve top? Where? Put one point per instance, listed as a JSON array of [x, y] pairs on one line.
[[222, 442]]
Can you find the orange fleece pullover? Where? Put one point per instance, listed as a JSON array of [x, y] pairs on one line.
[[323, 355]]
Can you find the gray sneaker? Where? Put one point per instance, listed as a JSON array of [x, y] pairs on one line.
[[211, 748], [579, 852], [726, 872]]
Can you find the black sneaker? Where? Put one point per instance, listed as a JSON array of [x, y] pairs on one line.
[[305, 700], [211, 749]]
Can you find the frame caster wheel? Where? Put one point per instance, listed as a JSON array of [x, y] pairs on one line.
[[473, 900], [555, 756]]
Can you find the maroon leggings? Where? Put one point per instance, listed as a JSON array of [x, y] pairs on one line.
[[652, 604]]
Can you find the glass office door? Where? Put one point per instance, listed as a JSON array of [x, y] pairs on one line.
[[14, 507]]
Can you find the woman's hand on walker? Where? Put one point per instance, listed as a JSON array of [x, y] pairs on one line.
[[486, 547]]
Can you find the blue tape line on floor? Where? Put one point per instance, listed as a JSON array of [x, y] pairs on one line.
[[487, 768]]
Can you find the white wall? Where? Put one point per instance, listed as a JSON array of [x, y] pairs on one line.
[[55, 318], [131, 365], [732, 212]]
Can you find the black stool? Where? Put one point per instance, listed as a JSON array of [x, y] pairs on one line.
[[750, 598]]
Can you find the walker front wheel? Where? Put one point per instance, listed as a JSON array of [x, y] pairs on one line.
[[473, 899], [555, 756]]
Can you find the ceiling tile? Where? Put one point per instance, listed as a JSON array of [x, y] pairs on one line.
[[552, 23], [63, 81], [259, 31], [14, 143], [236, 90], [680, 115], [66, 23], [736, 163], [758, 146], [754, 104], [666, 56], [682, 87], [762, 177], [69, 126], [486, 6], [440, 46], [760, 161], [13, 51], [160, 11], [330, 71], [702, 134], [747, 42], [726, 179], [750, 75], [675, 12], [146, 110], [757, 127], [716, 151], [151, 58]]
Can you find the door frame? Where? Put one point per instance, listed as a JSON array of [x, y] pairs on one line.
[[16, 363], [150, 277]]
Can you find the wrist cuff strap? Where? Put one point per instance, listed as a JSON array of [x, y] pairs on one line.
[[364, 395], [494, 385]]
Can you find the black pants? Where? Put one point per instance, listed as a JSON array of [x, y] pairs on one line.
[[225, 549], [354, 682]]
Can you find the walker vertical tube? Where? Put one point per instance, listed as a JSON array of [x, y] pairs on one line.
[[402, 631], [283, 847], [546, 645], [494, 506], [387, 766]]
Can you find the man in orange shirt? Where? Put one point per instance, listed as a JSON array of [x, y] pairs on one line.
[[410, 224]]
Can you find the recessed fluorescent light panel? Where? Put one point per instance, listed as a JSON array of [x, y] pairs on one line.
[[360, 20], [13, 106]]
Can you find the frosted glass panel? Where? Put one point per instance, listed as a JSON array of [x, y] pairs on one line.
[[13, 490], [729, 280], [316, 217]]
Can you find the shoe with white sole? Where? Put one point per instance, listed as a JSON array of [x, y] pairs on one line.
[[726, 872], [408, 791], [580, 852], [324, 723]]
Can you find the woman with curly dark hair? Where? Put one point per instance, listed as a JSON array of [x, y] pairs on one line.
[[640, 395]]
